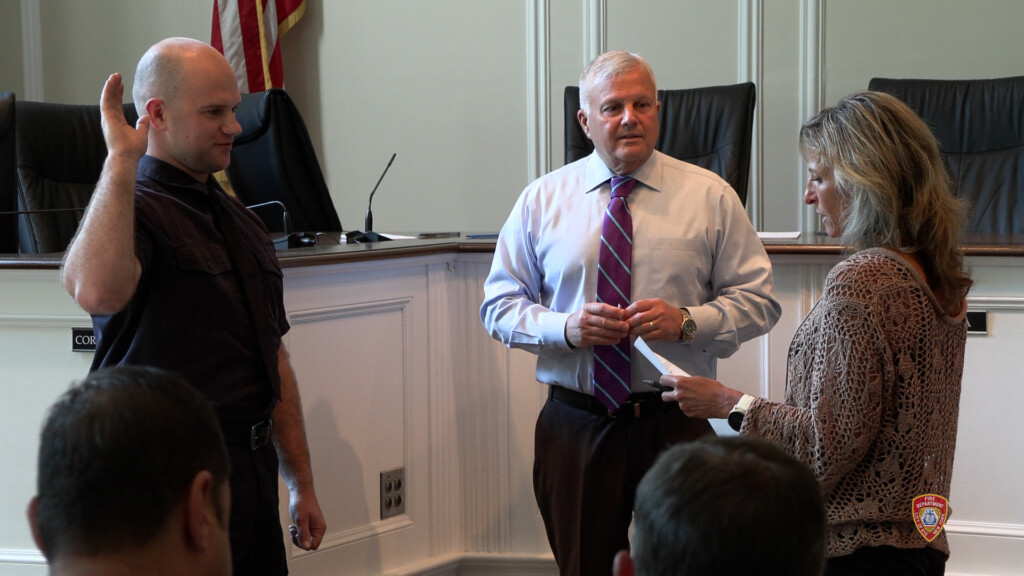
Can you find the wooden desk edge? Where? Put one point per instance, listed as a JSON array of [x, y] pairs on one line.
[[337, 254]]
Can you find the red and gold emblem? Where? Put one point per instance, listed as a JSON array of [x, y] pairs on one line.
[[930, 512]]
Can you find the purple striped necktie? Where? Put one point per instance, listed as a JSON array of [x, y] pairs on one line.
[[614, 263]]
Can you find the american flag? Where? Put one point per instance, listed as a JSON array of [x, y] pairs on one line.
[[246, 32]]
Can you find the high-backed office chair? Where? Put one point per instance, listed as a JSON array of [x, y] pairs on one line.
[[273, 160], [710, 127], [980, 128], [8, 176], [60, 155]]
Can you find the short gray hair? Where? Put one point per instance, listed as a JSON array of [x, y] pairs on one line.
[[607, 65]]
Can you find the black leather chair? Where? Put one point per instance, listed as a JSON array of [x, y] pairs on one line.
[[8, 176], [60, 155], [980, 128], [273, 160], [710, 127]]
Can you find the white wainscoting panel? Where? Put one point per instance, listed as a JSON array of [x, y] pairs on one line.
[[359, 346]]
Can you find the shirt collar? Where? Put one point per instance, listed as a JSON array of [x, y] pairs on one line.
[[162, 171], [650, 174]]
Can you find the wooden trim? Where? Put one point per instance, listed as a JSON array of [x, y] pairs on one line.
[[989, 245]]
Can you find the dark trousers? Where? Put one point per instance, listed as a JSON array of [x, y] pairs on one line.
[[585, 473], [257, 542], [888, 561]]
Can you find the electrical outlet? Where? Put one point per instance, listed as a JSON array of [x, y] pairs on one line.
[[392, 493]]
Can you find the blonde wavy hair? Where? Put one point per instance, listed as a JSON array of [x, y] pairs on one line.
[[895, 188]]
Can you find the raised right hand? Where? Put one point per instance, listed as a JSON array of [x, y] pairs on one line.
[[101, 271], [122, 139]]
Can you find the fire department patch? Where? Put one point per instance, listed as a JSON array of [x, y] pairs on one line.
[[930, 512]]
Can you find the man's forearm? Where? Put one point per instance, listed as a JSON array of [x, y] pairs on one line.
[[100, 268], [290, 430], [101, 271], [309, 527]]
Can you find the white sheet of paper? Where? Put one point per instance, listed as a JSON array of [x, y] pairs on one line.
[[659, 361], [342, 239], [778, 235], [720, 426]]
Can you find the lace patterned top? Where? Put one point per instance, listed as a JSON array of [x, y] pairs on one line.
[[872, 399]]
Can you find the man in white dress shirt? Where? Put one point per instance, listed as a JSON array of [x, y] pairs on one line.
[[701, 284]]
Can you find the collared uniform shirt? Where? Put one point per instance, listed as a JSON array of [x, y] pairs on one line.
[[693, 247], [189, 313]]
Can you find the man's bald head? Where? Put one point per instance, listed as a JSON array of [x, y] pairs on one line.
[[161, 72], [189, 92]]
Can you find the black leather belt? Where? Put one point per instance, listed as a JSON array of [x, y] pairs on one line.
[[253, 437], [638, 405]]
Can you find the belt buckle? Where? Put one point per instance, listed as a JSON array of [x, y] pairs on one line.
[[260, 434], [628, 410]]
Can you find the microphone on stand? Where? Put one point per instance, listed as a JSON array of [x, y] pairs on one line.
[[369, 235], [289, 239], [286, 220]]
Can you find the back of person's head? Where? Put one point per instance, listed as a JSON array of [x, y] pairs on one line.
[[890, 175], [606, 66], [117, 453], [728, 506]]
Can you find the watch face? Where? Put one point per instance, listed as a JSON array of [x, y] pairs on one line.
[[735, 420], [689, 329]]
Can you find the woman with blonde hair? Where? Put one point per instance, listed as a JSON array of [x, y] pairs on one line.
[[874, 370]]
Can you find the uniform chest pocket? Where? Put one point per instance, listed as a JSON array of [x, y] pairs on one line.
[[209, 258], [273, 284], [267, 258]]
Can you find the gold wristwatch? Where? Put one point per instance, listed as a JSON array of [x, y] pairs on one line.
[[688, 327]]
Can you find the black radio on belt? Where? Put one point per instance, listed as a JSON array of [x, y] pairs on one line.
[[252, 437], [260, 434]]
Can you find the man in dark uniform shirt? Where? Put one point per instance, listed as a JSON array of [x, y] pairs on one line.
[[178, 275]]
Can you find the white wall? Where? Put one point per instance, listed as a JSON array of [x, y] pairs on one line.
[[11, 78], [469, 93]]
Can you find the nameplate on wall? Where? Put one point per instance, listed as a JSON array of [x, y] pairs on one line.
[[977, 321], [83, 340]]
